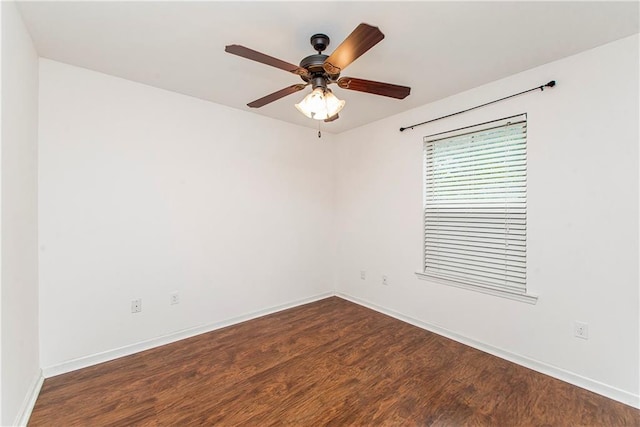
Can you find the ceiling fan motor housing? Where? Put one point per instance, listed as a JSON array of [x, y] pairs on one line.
[[314, 64]]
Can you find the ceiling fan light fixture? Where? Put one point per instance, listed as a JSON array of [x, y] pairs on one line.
[[320, 104]]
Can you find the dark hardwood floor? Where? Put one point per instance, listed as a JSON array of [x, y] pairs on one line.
[[326, 363]]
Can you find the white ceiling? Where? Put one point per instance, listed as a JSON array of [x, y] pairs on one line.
[[436, 48]]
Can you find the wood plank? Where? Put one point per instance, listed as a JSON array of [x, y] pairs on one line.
[[330, 362]]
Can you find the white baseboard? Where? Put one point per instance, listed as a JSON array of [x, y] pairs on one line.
[[22, 418], [553, 371], [94, 359]]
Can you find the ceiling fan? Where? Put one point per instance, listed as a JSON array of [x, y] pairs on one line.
[[319, 71]]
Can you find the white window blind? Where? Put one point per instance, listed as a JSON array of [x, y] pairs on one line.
[[475, 206]]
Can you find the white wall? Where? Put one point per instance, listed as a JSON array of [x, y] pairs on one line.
[[582, 223], [20, 368], [144, 192]]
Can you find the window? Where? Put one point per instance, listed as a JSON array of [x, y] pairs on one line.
[[475, 208]]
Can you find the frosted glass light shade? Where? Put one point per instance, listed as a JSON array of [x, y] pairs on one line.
[[320, 104]]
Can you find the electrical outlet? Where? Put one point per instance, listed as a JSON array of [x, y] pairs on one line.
[[174, 298], [363, 275], [581, 330], [136, 305], [385, 280]]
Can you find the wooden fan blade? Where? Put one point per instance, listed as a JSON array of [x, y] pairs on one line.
[[276, 95], [254, 55], [332, 118], [363, 38], [377, 88]]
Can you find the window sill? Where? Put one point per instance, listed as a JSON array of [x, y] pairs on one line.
[[528, 298]]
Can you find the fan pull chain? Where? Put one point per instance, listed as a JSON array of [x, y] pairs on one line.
[[319, 134]]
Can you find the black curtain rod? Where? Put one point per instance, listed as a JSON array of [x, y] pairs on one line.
[[552, 83]]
